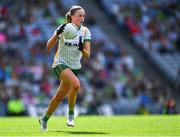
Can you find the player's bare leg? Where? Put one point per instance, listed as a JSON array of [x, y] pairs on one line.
[[75, 86], [62, 90]]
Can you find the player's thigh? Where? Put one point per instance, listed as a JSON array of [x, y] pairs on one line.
[[69, 77], [63, 88]]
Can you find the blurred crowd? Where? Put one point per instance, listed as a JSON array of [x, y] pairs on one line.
[[152, 24], [111, 81], [154, 27]]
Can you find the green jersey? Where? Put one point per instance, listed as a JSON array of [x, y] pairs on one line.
[[67, 52]]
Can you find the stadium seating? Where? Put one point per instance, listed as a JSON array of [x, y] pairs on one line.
[[145, 20]]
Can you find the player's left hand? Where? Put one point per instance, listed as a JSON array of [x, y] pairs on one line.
[[80, 45]]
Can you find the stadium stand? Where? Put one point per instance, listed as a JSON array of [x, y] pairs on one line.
[[153, 26]]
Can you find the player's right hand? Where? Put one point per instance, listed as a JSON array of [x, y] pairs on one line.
[[60, 29]]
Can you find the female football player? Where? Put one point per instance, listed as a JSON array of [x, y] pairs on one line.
[[67, 63]]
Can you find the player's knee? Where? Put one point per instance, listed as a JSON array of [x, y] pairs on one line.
[[76, 86]]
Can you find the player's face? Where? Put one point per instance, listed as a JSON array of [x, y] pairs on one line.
[[78, 17]]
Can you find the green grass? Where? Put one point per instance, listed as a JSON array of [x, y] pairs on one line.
[[94, 126]]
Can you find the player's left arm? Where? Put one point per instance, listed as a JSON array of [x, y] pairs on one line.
[[87, 44], [87, 49]]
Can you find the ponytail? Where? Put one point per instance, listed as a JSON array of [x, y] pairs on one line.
[[68, 17]]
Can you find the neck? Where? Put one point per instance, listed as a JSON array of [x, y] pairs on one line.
[[77, 26]]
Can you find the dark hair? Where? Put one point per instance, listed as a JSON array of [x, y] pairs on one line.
[[72, 10]]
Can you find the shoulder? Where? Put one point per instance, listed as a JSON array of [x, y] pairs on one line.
[[86, 31], [84, 28]]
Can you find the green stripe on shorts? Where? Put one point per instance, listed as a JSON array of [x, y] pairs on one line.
[[59, 69]]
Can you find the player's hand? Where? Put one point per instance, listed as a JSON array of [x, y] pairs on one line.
[[80, 45], [60, 29]]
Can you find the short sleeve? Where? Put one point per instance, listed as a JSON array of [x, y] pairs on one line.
[[56, 30], [87, 35]]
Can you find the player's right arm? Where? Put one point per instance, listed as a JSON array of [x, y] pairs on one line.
[[52, 41]]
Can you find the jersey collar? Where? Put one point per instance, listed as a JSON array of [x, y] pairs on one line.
[[78, 28]]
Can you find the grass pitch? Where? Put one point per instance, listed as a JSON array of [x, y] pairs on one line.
[[94, 126]]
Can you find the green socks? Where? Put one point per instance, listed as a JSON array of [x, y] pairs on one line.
[[47, 116], [71, 110]]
